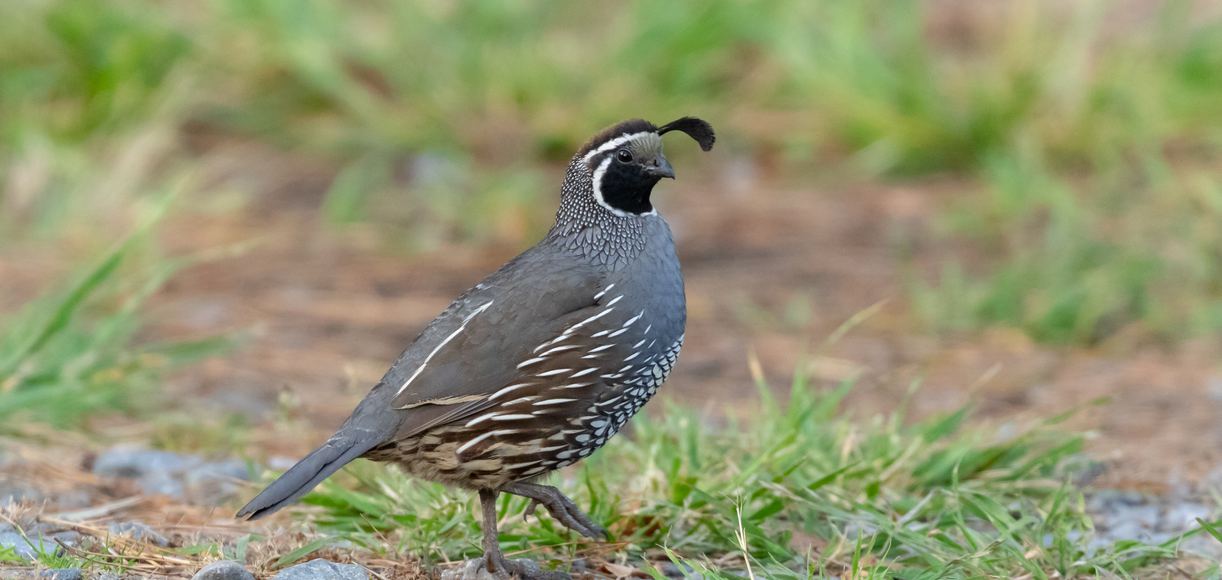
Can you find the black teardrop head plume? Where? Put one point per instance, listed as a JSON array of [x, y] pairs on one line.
[[697, 129]]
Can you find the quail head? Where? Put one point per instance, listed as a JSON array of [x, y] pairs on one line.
[[540, 363]]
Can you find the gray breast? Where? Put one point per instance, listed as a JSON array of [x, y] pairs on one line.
[[646, 343]]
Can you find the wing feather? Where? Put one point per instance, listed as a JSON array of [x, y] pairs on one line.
[[476, 347]]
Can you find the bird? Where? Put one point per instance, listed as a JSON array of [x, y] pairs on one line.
[[540, 363]]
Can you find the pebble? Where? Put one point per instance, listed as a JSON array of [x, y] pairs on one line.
[[238, 399], [139, 532], [34, 542], [223, 570], [13, 493], [1128, 515], [63, 574], [178, 475], [671, 570], [474, 570], [19, 493], [54, 574], [322, 570], [21, 548]]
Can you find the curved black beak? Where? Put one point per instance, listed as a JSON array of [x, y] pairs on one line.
[[660, 168]]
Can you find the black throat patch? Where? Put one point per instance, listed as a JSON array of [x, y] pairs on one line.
[[626, 187]]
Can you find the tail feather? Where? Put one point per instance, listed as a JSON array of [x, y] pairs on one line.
[[338, 451]]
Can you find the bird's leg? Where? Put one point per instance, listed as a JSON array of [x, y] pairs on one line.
[[562, 508], [494, 560]]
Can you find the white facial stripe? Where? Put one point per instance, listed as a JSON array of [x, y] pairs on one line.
[[598, 187], [616, 142]]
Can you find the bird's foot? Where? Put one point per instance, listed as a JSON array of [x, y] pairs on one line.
[[501, 569], [562, 508]]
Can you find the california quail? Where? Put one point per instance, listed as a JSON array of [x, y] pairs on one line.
[[536, 366]]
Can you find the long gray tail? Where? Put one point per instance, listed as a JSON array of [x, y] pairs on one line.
[[337, 452]]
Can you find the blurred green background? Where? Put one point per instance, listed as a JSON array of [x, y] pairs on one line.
[[1064, 160], [1088, 133]]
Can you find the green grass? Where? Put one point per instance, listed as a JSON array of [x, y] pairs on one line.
[[74, 352], [805, 493], [1079, 259]]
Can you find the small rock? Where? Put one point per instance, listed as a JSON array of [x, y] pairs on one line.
[[322, 570], [14, 493], [72, 500], [137, 462], [216, 480], [176, 475], [238, 399], [1122, 515], [1127, 530], [471, 570], [25, 547], [474, 570], [1184, 515], [1106, 499], [223, 570], [63, 574], [68, 538], [156, 472], [139, 532]]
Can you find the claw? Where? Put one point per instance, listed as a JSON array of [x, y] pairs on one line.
[[530, 509], [562, 509]]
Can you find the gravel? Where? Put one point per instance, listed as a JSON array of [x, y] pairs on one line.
[[323, 570], [28, 546], [1128, 515], [63, 574], [139, 532], [13, 493], [180, 476], [54, 574], [223, 570], [17, 492], [474, 570]]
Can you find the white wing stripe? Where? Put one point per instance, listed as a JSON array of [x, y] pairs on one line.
[[633, 320], [508, 389], [461, 328], [472, 442]]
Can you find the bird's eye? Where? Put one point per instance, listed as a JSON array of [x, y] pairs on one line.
[[624, 156]]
